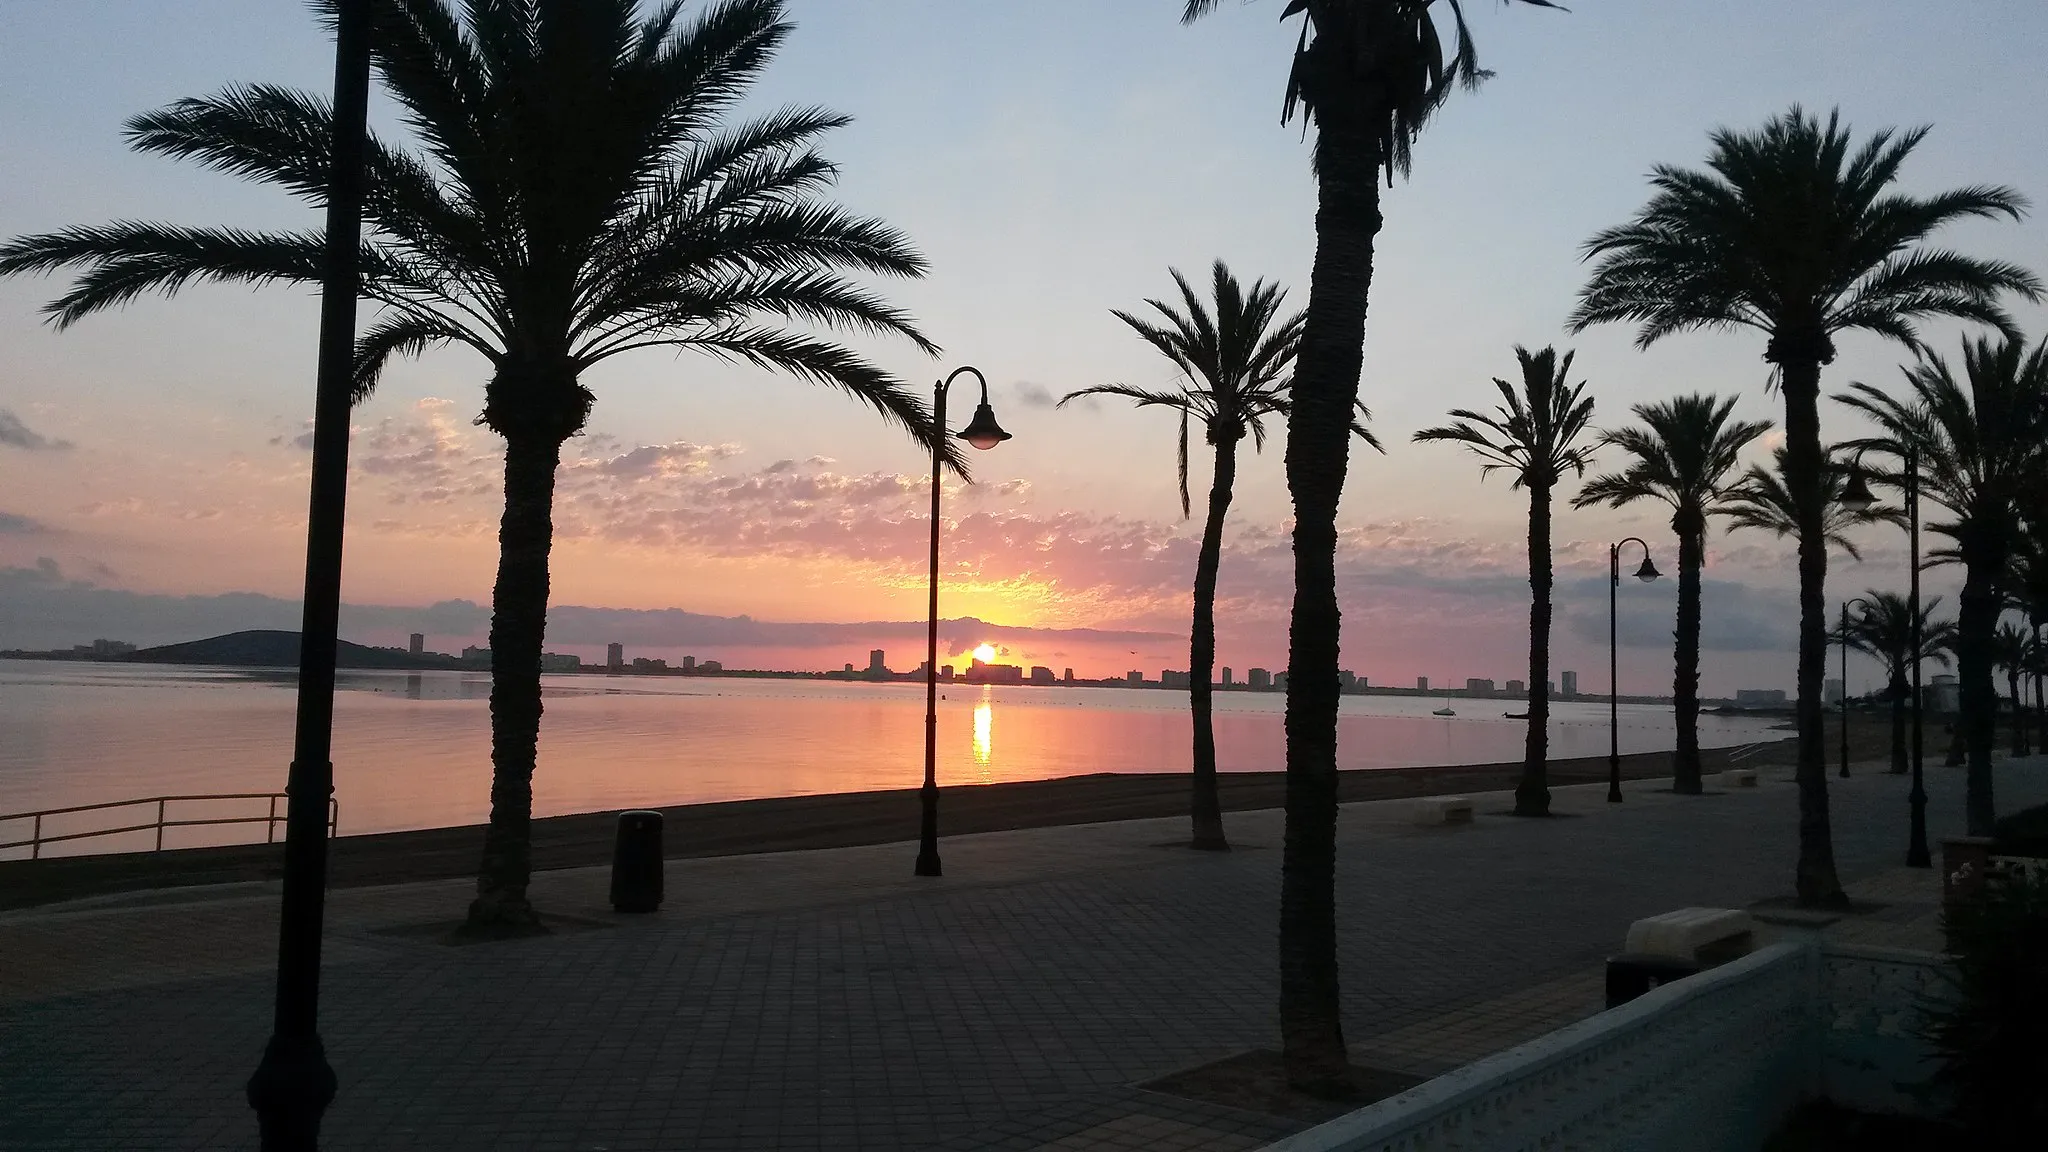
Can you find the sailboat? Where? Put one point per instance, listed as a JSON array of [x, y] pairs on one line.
[[1446, 710]]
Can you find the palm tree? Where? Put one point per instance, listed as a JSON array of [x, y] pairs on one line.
[[1794, 235], [1234, 366], [570, 195], [1370, 73], [2027, 591], [1535, 436], [1982, 447], [1681, 455], [1762, 500], [2012, 653], [1884, 630]]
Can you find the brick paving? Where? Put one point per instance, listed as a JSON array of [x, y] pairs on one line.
[[829, 1000]]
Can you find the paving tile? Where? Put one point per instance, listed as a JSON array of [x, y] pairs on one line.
[[832, 1000]]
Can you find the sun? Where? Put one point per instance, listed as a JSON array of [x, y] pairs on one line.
[[986, 653]]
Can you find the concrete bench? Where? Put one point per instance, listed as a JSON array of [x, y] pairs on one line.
[[1703, 935], [1739, 778], [1442, 810]]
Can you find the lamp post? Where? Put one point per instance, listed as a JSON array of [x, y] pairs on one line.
[[982, 432], [293, 1083], [1856, 497], [1646, 573], [1845, 677]]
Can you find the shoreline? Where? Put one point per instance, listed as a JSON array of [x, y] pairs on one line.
[[789, 824]]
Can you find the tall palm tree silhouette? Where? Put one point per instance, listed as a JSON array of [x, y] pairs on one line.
[[1370, 73], [1793, 233], [1235, 367], [1981, 443], [573, 191], [1682, 455], [1535, 435]]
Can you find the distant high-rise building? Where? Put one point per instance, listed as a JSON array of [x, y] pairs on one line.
[[876, 664], [1258, 678], [1225, 680], [1279, 681], [1517, 688], [560, 662], [1168, 678], [1068, 676], [1041, 674], [1571, 683], [848, 669], [1346, 679], [689, 663], [945, 671], [1474, 686], [1134, 677], [615, 657], [419, 643], [1831, 691], [1422, 683]]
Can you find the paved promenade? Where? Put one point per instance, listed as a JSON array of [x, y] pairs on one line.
[[829, 999]]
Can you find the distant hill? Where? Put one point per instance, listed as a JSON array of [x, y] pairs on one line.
[[264, 648]]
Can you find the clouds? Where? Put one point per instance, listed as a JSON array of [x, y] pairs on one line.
[[14, 525], [15, 434]]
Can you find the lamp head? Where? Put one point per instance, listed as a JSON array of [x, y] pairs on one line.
[[1648, 571], [1856, 495], [983, 432]]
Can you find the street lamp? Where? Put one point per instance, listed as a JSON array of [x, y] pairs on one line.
[[982, 432], [1845, 651], [293, 1084], [1646, 573], [1856, 497]]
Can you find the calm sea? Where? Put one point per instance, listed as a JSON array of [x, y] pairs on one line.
[[412, 750]]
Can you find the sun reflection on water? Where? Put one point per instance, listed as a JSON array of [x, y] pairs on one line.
[[984, 726]]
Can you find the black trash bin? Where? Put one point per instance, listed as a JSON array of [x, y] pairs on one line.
[[636, 863], [1631, 974]]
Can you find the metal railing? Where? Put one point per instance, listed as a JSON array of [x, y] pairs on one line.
[[1748, 750], [163, 804]]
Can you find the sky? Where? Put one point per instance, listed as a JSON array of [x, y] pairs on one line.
[[1053, 160]]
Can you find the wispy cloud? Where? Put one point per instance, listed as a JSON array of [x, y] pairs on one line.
[[15, 434]]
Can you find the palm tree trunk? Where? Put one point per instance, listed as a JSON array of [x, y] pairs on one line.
[[1532, 795], [1685, 677], [519, 612], [2040, 693], [2019, 711], [1815, 880], [1899, 690], [1318, 453], [1976, 620], [1208, 806]]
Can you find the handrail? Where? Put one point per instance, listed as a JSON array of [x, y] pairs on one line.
[[1748, 750], [36, 838]]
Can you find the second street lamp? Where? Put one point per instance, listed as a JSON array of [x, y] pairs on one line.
[[982, 432], [1646, 573], [1845, 668]]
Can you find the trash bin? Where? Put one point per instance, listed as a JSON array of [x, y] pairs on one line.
[[1631, 974], [636, 863]]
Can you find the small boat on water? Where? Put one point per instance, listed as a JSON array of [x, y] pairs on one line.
[[1446, 710], [1514, 715]]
